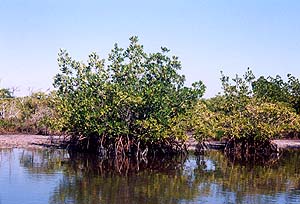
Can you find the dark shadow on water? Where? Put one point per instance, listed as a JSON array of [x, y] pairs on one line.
[[124, 165]]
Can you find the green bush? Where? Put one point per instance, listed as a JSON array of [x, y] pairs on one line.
[[204, 123], [131, 104], [244, 118], [261, 121], [277, 90]]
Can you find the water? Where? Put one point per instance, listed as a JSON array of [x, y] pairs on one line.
[[57, 177]]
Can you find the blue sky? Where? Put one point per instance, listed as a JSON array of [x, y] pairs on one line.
[[207, 35]]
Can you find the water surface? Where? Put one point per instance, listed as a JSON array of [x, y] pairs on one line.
[[57, 177]]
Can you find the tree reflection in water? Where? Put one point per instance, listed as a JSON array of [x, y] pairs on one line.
[[123, 180], [208, 178], [267, 182]]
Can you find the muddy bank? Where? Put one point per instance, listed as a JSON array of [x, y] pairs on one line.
[[287, 144], [41, 141], [281, 144], [30, 141]]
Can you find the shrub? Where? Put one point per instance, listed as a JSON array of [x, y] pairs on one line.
[[30, 114], [243, 118], [129, 105]]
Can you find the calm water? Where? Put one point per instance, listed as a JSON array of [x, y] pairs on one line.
[[57, 177]]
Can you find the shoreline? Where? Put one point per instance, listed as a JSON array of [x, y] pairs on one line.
[[30, 141], [44, 141]]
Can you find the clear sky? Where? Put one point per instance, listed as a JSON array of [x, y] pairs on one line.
[[207, 35]]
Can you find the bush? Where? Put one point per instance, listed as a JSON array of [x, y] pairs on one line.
[[277, 90], [243, 118], [30, 114], [261, 121], [132, 104]]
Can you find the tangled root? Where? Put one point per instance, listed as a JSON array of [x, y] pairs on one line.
[[245, 150]]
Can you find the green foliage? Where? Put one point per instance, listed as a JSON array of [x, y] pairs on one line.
[[209, 118], [237, 92], [5, 93], [277, 90], [247, 114], [261, 121], [134, 101], [271, 89], [204, 123]]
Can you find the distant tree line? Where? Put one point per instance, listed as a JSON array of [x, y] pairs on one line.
[[33, 114]]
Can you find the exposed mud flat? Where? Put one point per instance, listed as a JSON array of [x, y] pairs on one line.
[[287, 143], [30, 141], [42, 141], [280, 143]]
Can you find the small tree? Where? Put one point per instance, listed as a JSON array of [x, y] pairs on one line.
[[130, 105], [6, 93]]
